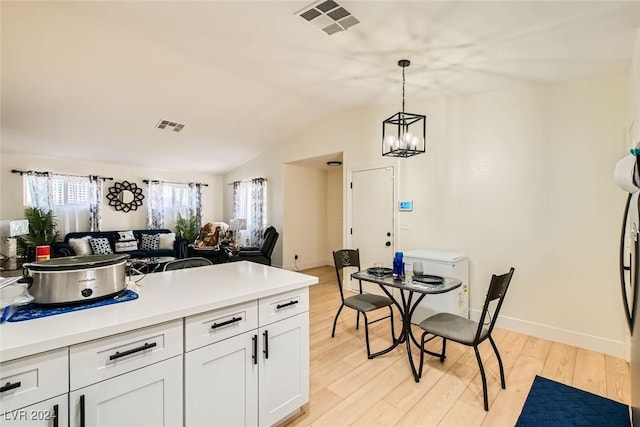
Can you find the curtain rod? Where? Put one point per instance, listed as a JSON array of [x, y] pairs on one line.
[[146, 181], [246, 180], [29, 172]]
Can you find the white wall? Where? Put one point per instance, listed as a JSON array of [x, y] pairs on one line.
[[634, 102], [305, 191], [312, 200], [517, 178], [11, 197], [334, 210]]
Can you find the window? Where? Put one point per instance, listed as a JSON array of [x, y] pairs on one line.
[[64, 191], [250, 203], [168, 200], [74, 200]]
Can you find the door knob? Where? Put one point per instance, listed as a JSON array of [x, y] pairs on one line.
[[388, 244]]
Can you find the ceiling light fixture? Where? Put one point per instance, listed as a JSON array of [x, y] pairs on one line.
[[401, 133]]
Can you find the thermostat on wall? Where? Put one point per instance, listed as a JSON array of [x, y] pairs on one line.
[[405, 205]]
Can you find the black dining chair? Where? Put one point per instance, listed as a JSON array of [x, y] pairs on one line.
[[459, 329], [179, 264], [361, 302]]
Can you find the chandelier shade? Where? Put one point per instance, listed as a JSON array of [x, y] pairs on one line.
[[404, 134]]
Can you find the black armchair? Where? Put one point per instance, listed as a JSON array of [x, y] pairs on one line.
[[262, 254]]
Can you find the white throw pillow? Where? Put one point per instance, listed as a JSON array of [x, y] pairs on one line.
[[81, 245], [167, 240], [128, 246], [126, 235]]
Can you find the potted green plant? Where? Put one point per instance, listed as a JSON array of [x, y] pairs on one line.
[[42, 229], [187, 228]]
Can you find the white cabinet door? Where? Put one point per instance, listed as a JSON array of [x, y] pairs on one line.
[[221, 383], [147, 397], [50, 413], [284, 368]]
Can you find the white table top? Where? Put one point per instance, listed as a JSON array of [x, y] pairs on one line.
[[163, 297]]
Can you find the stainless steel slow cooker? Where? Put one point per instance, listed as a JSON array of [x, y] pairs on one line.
[[75, 279]]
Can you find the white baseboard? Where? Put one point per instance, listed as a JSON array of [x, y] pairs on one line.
[[305, 265], [564, 336]]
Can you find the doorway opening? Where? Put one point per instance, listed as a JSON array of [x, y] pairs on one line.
[[313, 211]]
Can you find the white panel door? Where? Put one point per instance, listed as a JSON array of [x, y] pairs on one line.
[[372, 209], [147, 397], [221, 383], [284, 368]]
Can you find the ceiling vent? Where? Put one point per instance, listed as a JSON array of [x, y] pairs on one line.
[[166, 124], [329, 16]]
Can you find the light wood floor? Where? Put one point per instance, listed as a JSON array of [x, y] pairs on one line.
[[347, 389]]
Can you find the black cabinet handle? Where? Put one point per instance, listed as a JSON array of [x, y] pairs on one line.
[[279, 306], [82, 410], [55, 415], [225, 323], [10, 386], [265, 334], [133, 350], [254, 355]]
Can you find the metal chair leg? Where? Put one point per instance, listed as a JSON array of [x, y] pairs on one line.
[[484, 379], [358, 320], [444, 349], [495, 350], [393, 334], [422, 350], [333, 331], [366, 334]]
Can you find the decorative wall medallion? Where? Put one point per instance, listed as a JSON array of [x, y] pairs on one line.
[[125, 196]]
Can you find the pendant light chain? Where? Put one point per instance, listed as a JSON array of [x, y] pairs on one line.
[[403, 89]]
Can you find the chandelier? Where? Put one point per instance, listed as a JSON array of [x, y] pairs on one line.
[[404, 134]]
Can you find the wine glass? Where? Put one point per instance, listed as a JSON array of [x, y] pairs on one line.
[[417, 269]]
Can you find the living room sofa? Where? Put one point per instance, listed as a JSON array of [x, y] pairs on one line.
[[179, 249]]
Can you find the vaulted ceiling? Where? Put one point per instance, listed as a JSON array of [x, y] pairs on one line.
[[91, 80]]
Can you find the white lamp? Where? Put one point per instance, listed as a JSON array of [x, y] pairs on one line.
[[236, 225], [9, 230]]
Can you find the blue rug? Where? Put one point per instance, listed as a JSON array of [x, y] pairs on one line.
[[31, 311], [552, 404]]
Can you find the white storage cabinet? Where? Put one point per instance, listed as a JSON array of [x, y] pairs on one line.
[[441, 263], [248, 364]]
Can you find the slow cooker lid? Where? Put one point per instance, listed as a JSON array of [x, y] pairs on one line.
[[76, 262]]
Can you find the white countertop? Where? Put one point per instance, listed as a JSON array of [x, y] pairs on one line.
[[163, 297]]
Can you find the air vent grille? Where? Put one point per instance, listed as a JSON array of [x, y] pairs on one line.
[[169, 125], [328, 16]]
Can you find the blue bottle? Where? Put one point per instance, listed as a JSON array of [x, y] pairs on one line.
[[398, 265]]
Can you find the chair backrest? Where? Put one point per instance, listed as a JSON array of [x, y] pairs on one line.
[[179, 264], [345, 258], [269, 241], [497, 291]]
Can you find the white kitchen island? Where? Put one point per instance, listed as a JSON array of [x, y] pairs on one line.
[[221, 345]]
